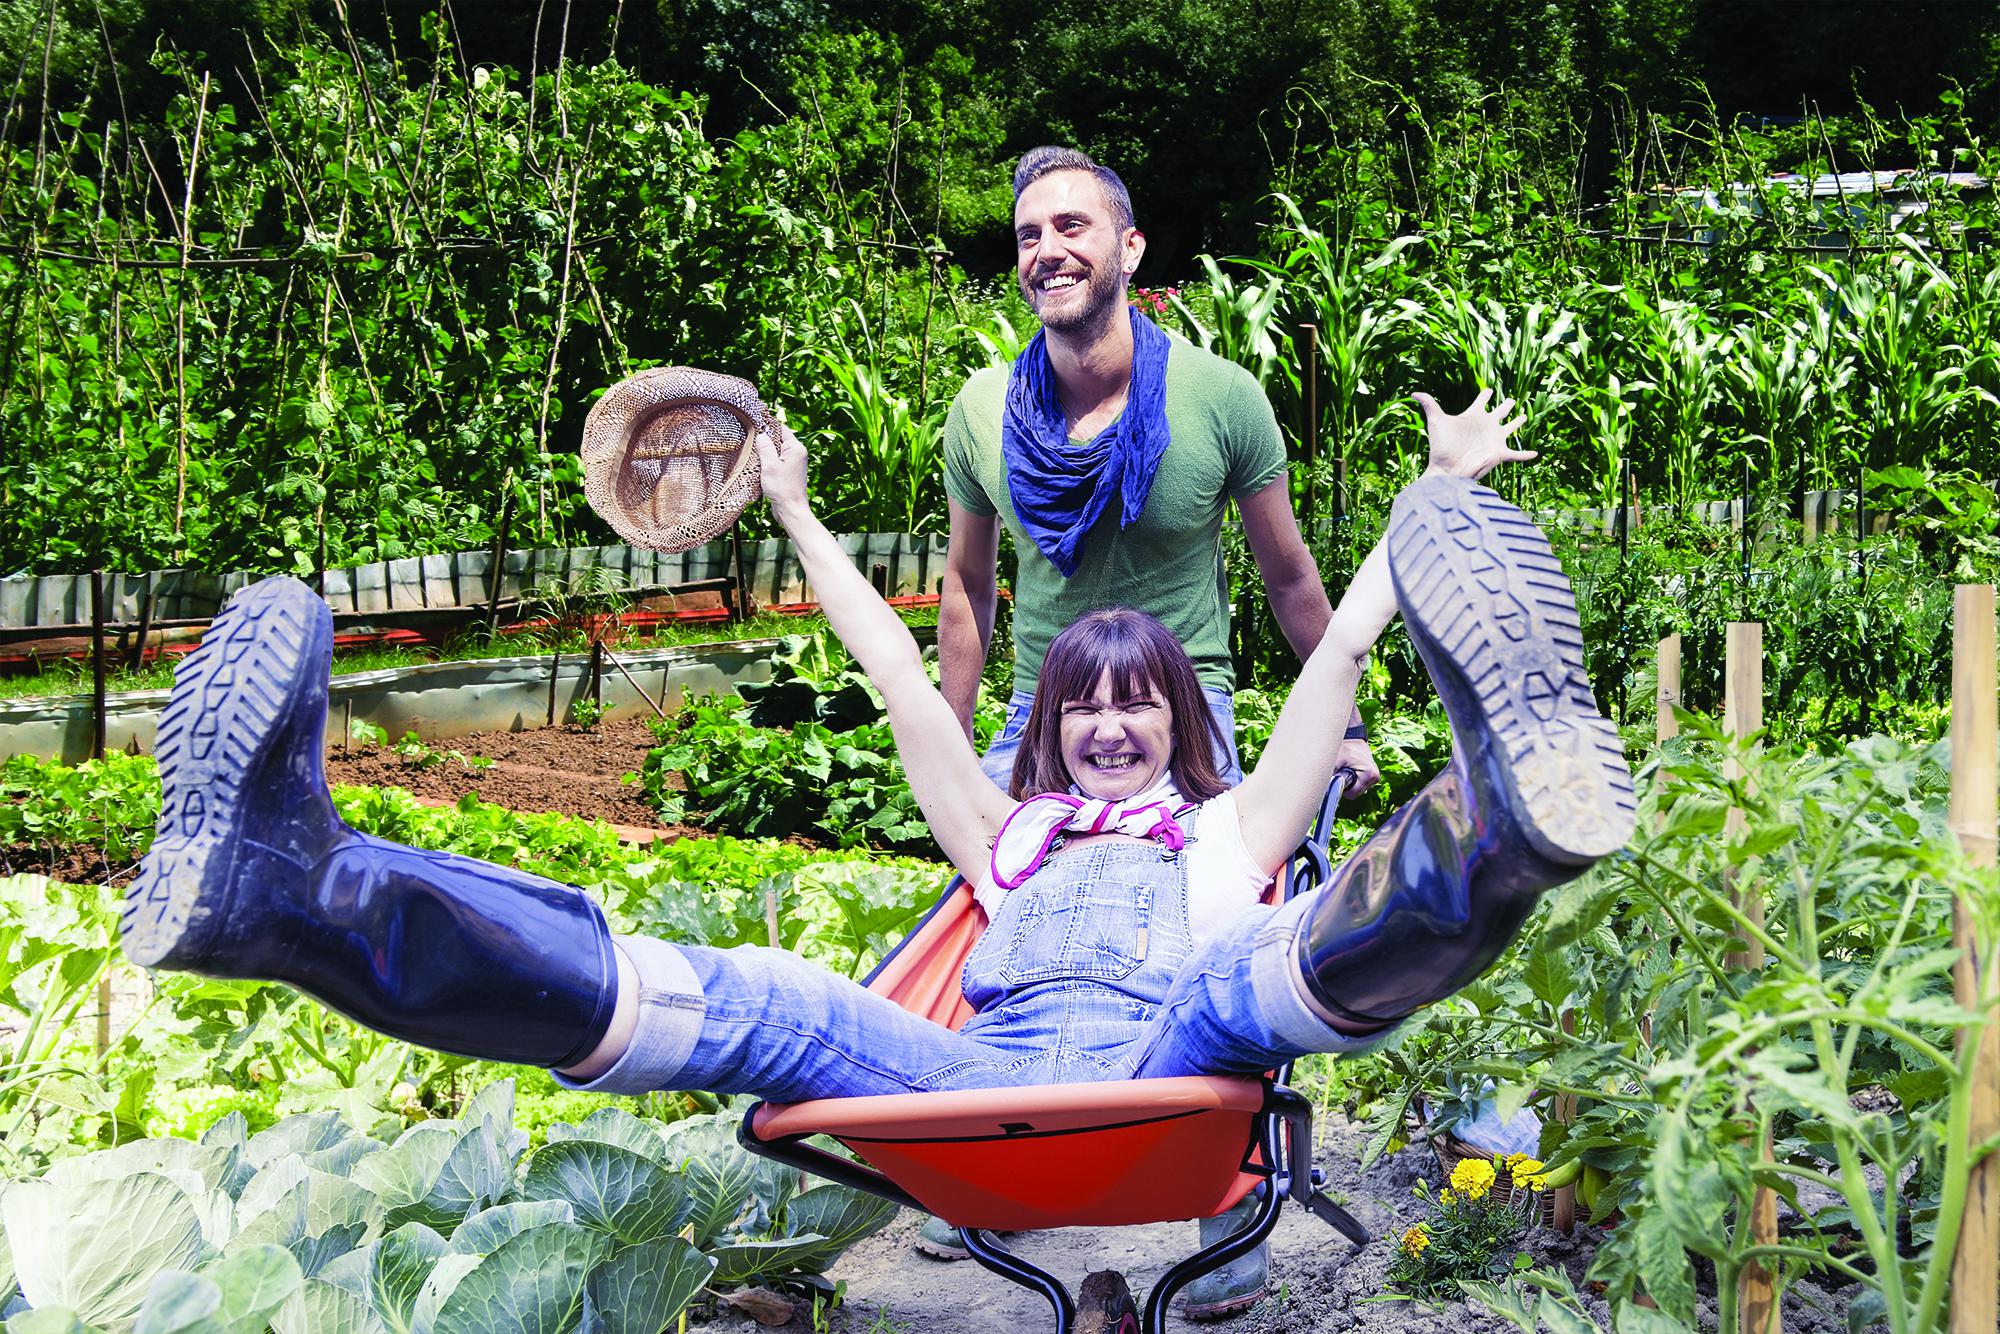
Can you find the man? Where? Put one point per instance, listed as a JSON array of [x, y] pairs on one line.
[[1111, 453]]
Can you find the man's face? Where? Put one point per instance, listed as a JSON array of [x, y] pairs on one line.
[[1071, 259]]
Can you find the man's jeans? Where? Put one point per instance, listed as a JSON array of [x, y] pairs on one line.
[[998, 762]]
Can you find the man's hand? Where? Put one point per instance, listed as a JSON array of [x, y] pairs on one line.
[[1354, 755], [781, 467], [1474, 442]]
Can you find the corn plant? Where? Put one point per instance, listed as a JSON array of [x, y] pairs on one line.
[[891, 450], [1246, 324], [1533, 356], [1684, 358], [1773, 376], [1912, 385], [1351, 299]]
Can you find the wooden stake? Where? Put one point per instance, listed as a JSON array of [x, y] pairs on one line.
[[1975, 785], [1562, 1110], [97, 721], [1743, 714], [771, 917], [1665, 725]]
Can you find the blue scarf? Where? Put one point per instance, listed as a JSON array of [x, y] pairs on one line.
[[1059, 489]]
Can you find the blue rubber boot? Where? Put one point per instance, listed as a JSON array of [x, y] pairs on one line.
[[251, 874], [1238, 1285], [1537, 789]]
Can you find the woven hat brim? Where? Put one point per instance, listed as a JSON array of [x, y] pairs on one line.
[[668, 455]]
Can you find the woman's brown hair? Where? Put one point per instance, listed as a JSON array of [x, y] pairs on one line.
[[1143, 655]]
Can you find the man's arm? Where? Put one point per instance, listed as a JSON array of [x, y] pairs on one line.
[[1298, 599], [965, 610]]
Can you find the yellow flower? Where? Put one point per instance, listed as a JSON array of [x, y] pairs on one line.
[[1445, 1196], [1416, 1239], [1473, 1178], [1523, 1169]]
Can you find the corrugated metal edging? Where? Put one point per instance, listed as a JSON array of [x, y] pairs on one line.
[[437, 700], [464, 578]]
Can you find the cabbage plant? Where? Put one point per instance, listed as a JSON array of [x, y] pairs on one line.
[[445, 1227]]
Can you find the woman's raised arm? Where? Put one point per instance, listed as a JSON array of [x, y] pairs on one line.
[[963, 806], [1277, 802]]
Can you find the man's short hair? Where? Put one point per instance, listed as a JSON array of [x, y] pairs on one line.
[[1039, 162]]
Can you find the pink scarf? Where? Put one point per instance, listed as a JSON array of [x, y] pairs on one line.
[[1035, 826]]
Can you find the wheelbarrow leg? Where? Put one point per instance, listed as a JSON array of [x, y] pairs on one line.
[[1011, 1266]]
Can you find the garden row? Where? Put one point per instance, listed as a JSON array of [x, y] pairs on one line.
[[233, 381], [1676, 1080]]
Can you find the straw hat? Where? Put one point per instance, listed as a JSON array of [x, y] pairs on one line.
[[669, 455]]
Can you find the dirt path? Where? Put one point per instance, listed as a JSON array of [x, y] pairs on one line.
[[1319, 1283]]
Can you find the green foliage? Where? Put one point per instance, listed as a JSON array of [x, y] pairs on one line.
[[1470, 1230], [447, 1225], [206, 1047], [1633, 997]]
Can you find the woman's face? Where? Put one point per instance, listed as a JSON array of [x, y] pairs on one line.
[[1116, 747]]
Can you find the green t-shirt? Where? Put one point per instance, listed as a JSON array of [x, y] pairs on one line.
[[1224, 445]]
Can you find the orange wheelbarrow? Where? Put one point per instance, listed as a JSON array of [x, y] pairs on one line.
[[1066, 1155]]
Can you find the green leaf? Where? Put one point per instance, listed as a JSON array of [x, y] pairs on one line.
[[744, 1260], [482, 1233], [1663, 1265], [180, 1303], [717, 1189], [841, 1214], [398, 1266], [1634, 1319], [532, 1285], [641, 1289], [255, 1282], [95, 1247], [614, 1190], [48, 1320], [322, 1308], [1695, 815]]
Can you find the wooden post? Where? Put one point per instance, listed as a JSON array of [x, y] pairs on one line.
[[1975, 781], [1562, 1110], [1665, 725], [138, 658], [1743, 714], [97, 724], [498, 569], [739, 607], [597, 673]]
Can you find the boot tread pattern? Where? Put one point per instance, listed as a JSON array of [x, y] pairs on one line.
[[227, 704], [1479, 581]]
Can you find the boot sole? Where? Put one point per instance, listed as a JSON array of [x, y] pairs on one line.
[[1494, 619], [231, 700]]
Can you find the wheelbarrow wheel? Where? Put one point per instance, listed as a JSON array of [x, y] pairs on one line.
[[1105, 1306]]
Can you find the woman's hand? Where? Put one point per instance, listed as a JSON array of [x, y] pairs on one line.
[[781, 465], [1474, 442]]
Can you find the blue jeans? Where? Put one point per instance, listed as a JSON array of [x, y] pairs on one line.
[[1086, 973], [998, 762]]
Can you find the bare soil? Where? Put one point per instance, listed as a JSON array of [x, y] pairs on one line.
[[574, 770], [1319, 1283]]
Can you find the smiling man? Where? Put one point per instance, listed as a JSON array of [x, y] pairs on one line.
[[1111, 453]]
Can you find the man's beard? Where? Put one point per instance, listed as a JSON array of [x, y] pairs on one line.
[[1104, 294]]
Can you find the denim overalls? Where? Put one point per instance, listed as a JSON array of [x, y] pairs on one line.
[[1087, 972]]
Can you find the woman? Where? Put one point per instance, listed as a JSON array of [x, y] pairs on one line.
[[1135, 948]]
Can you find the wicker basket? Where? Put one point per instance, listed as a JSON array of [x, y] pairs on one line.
[[1451, 1151]]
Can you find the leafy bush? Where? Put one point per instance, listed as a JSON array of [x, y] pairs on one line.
[[615, 1223]]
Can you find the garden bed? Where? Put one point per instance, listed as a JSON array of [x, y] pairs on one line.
[[571, 770]]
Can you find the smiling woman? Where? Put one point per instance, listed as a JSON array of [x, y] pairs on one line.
[[1131, 711]]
